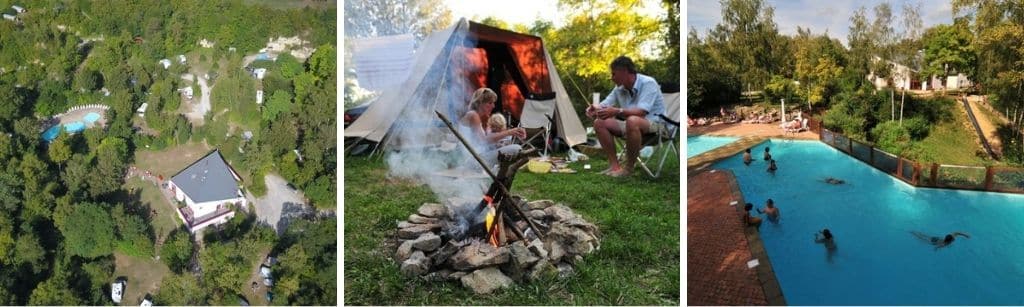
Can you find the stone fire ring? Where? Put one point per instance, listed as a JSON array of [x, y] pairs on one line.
[[484, 268]]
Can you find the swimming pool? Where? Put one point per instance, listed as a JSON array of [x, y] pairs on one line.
[[878, 261], [92, 117], [51, 133], [696, 145]]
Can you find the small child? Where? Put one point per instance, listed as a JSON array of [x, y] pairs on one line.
[[497, 124]]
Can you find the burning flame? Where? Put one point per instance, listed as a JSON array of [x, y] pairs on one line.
[[489, 222]]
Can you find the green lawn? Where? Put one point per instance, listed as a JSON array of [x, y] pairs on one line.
[[952, 142], [165, 220], [143, 274], [638, 263]]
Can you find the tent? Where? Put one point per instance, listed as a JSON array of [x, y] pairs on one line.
[[449, 66]]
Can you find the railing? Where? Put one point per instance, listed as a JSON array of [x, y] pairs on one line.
[[931, 175]]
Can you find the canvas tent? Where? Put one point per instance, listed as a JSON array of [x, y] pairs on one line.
[[454, 62]]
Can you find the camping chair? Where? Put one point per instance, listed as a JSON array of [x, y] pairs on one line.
[[538, 114], [662, 143]]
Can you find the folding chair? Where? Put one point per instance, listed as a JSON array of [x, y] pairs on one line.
[[663, 143], [538, 114]]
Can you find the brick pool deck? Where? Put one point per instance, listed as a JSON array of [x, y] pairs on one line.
[[719, 246]]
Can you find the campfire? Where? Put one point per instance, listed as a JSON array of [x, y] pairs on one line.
[[496, 240], [485, 259]]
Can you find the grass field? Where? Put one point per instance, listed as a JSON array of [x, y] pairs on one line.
[[638, 263], [952, 142], [165, 220], [169, 161], [143, 274]]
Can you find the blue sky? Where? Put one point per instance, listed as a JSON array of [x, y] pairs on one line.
[[820, 16]]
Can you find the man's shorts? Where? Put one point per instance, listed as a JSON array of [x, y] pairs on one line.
[[656, 127]]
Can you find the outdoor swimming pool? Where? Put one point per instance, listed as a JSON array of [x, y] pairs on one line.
[[696, 145], [92, 117], [878, 261]]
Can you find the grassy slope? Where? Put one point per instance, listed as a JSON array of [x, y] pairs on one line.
[[952, 142], [638, 263]]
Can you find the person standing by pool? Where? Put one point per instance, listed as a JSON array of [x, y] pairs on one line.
[[772, 167], [767, 155], [937, 241], [746, 157], [771, 211], [748, 219]]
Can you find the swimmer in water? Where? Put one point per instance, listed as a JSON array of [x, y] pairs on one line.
[[939, 242]]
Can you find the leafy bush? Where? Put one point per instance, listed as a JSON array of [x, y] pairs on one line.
[[177, 250], [917, 127], [891, 137]]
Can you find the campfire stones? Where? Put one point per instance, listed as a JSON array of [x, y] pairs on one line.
[[539, 204], [485, 281], [423, 251], [427, 242], [477, 255], [417, 264], [433, 210], [416, 230], [419, 219]]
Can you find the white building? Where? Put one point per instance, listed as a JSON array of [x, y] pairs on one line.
[[259, 96], [181, 59], [209, 189], [10, 17], [901, 76], [259, 73], [166, 63], [18, 9]]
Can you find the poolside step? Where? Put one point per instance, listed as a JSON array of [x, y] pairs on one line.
[[725, 151]]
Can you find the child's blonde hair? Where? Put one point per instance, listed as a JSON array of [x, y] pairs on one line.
[[496, 123]]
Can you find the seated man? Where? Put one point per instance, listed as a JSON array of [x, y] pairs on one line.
[[639, 103]]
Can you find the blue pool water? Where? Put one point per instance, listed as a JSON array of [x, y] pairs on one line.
[[51, 133], [91, 117], [878, 261], [696, 145], [73, 127]]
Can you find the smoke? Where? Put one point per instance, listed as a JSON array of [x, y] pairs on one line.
[[422, 147]]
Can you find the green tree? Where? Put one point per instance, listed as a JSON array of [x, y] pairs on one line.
[[54, 291], [180, 290], [289, 66], [948, 48], [60, 149], [132, 233], [111, 162], [177, 250], [29, 252], [280, 102], [11, 107], [88, 231]]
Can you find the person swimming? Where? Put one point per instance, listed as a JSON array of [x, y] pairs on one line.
[[835, 181], [767, 154], [940, 242], [825, 237], [772, 167], [746, 157]]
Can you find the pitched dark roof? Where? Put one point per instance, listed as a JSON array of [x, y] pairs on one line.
[[208, 179]]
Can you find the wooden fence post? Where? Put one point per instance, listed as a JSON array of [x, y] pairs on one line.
[[989, 172], [935, 174]]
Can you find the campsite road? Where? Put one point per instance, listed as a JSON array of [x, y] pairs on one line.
[[199, 111], [280, 198]]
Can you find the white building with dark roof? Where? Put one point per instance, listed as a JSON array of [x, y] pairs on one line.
[[209, 189]]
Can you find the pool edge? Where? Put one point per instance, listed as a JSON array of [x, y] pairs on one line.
[[765, 272]]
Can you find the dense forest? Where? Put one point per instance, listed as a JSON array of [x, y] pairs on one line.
[[66, 208]]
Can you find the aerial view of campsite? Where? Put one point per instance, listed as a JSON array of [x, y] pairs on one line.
[[511, 152], [168, 152], [855, 152]]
